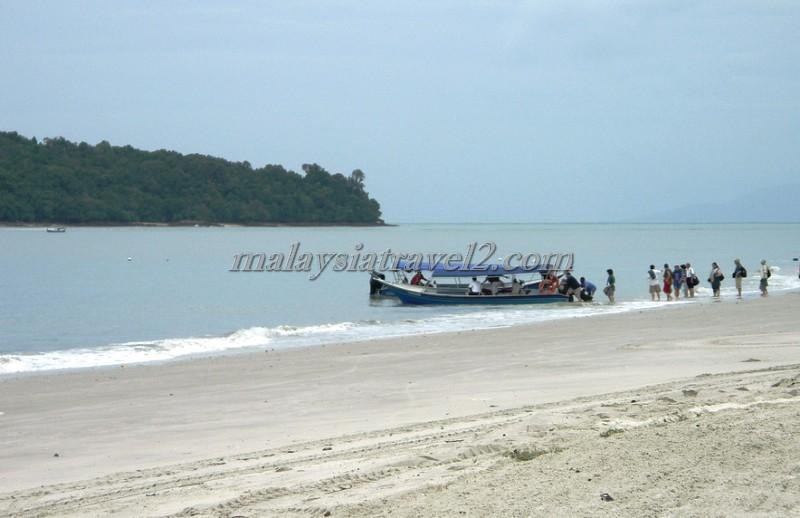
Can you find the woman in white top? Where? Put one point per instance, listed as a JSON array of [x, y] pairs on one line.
[[690, 275]]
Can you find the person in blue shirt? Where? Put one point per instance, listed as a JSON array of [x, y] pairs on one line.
[[677, 279], [587, 290]]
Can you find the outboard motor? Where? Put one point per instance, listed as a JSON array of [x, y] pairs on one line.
[[374, 285]]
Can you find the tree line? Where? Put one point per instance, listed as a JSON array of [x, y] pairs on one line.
[[60, 181]]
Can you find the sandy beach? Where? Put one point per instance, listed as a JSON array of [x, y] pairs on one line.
[[691, 410]]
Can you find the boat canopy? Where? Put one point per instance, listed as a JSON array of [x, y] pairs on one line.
[[467, 270]]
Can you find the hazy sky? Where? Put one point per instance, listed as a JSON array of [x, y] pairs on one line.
[[456, 111]]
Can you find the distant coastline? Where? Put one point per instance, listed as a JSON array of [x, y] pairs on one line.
[[184, 224]]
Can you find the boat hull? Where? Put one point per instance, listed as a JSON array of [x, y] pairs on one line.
[[410, 296]]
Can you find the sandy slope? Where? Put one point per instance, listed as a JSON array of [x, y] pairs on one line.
[[515, 422]]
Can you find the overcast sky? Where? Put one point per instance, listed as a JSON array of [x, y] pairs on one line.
[[455, 111]]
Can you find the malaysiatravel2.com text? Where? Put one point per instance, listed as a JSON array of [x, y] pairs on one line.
[[476, 258]]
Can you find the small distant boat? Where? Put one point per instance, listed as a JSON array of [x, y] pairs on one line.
[[451, 286], [56, 229]]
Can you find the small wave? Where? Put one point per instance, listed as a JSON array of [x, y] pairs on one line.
[[171, 348], [284, 336]]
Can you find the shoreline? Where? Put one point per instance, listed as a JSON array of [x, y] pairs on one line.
[[255, 350], [188, 224], [7, 224], [115, 421]]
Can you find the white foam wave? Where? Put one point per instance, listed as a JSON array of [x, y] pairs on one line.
[[750, 286], [282, 337], [163, 350]]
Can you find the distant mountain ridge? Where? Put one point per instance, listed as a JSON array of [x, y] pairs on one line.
[[780, 204], [60, 181]]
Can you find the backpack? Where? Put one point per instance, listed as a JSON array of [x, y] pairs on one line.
[[743, 272], [652, 274], [769, 273]]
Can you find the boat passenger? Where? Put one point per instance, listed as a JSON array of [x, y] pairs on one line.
[[549, 283], [418, 279], [493, 284], [474, 287]]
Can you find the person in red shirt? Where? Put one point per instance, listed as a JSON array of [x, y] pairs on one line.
[[418, 279]]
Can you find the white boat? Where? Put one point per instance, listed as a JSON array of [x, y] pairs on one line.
[[56, 230]]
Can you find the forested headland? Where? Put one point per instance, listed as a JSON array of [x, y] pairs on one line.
[[54, 180]]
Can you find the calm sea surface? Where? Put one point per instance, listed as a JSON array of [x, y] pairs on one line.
[[76, 300]]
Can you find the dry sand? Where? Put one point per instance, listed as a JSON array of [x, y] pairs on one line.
[[691, 410]]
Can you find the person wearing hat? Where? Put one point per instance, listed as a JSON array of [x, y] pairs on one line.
[[765, 274]]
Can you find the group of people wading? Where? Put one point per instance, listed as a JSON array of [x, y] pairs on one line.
[[683, 279]]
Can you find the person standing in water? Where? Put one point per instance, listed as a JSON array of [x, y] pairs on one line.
[[654, 288], [611, 285], [739, 273], [677, 278], [691, 280], [765, 274], [715, 278], [667, 282]]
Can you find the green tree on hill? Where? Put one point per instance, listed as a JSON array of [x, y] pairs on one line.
[[59, 181]]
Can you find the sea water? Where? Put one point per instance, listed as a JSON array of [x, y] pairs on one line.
[[110, 296]]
